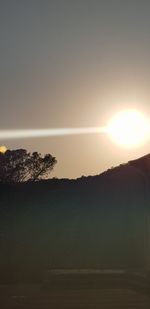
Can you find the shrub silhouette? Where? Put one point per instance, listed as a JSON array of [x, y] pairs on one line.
[[20, 166]]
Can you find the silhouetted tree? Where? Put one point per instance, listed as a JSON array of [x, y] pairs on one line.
[[20, 165]]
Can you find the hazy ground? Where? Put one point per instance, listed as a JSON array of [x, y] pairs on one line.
[[75, 291]]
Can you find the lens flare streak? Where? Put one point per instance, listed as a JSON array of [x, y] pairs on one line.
[[29, 133]]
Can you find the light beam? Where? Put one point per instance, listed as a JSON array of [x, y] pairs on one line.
[[29, 133]]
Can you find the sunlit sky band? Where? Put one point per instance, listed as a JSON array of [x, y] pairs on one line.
[[29, 133]]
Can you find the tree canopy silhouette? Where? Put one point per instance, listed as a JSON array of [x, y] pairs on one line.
[[20, 166]]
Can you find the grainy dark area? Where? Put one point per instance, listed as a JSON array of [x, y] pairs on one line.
[[77, 243], [76, 291]]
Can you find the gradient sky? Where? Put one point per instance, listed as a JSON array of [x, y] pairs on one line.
[[73, 63]]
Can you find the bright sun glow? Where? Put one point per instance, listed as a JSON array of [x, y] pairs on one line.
[[3, 149], [129, 128]]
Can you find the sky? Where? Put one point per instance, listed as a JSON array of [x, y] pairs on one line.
[[70, 64]]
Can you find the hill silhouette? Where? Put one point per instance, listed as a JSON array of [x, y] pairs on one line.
[[94, 222]]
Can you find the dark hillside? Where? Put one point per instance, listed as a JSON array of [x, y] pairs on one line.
[[95, 222]]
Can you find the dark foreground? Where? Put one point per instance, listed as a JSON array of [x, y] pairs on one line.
[[74, 291]]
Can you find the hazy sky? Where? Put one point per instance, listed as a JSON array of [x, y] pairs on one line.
[[73, 63]]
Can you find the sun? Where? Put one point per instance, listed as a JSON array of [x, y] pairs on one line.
[[129, 128], [3, 149]]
